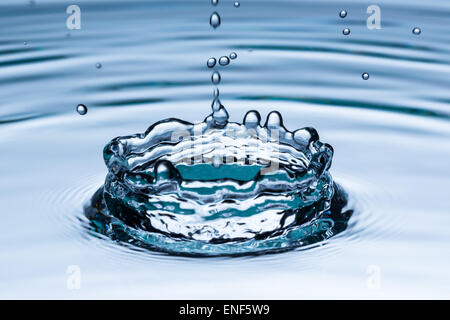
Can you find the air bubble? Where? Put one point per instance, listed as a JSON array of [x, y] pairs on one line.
[[211, 62], [237, 4], [365, 76], [214, 20], [223, 61], [98, 65], [233, 55], [215, 77], [343, 13], [416, 31], [82, 109], [346, 31]]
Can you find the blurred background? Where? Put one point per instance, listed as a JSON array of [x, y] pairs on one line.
[[133, 63]]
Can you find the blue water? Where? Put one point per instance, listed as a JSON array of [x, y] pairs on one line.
[[390, 134]]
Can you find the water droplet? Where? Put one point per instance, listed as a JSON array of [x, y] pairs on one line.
[[343, 13], [305, 135], [214, 2], [274, 120], [211, 62], [216, 104], [220, 117], [214, 20], [416, 31], [216, 93], [82, 109], [223, 61], [365, 76], [215, 77], [233, 55], [237, 4], [98, 65], [252, 119], [346, 31], [25, 43]]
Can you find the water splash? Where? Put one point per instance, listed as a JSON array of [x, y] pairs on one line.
[[219, 187]]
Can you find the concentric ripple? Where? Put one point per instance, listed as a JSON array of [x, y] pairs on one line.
[[219, 188]]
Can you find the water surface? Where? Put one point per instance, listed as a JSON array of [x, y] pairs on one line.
[[390, 133]]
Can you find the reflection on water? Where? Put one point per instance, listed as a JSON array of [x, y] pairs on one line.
[[390, 134]]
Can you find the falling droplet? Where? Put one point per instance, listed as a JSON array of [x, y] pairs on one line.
[[223, 61], [214, 2], [216, 93], [346, 31], [365, 76], [343, 13], [237, 4], [416, 31], [98, 65], [216, 104], [82, 109], [215, 77], [211, 62], [214, 20], [252, 119], [233, 55]]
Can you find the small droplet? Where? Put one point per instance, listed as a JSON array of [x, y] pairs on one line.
[[233, 55], [214, 20], [98, 65], [214, 2], [82, 109], [215, 77], [343, 13], [220, 117], [416, 31], [346, 31], [237, 4], [216, 104], [211, 62], [25, 43], [223, 61], [365, 76], [216, 93], [274, 120], [252, 119]]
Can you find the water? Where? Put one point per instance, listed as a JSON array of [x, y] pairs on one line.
[[390, 135], [218, 188]]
